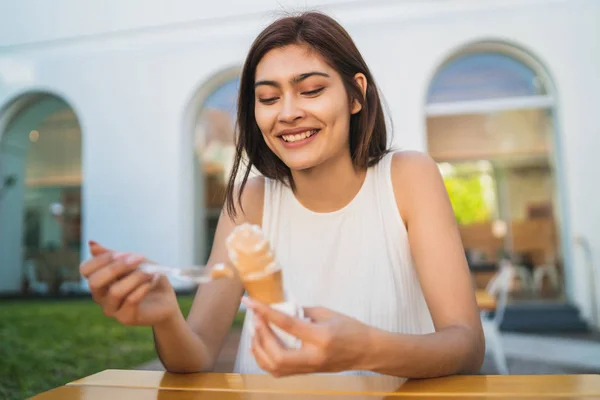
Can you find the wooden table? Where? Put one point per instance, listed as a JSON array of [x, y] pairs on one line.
[[121, 384], [485, 301]]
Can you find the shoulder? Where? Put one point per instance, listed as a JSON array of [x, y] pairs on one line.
[[410, 166], [416, 180], [252, 200]]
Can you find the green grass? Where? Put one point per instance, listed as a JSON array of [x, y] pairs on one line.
[[45, 344]]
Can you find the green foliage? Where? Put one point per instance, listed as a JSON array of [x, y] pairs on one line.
[[45, 344], [468, 199]]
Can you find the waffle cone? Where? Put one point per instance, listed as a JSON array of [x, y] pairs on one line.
[[266, 288]]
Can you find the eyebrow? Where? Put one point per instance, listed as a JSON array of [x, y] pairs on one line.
[[295, 80]]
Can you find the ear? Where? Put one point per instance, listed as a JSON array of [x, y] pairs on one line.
[[361, 81]]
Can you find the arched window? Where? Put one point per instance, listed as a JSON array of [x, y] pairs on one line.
[[484, 75], [40, 196], [214, 148], [490, 128]]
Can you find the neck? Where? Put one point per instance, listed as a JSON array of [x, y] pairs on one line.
[[329, 186]]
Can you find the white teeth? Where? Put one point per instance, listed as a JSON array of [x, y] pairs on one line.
[[299, 136]]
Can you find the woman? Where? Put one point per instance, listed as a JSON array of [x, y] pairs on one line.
[[366, 236]]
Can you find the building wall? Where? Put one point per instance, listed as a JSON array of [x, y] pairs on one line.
[[130, 70]]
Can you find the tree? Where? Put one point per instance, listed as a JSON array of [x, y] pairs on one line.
[[467, 195]]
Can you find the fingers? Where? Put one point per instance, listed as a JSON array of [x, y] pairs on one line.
[[303, 330], [119, 291], [270, 343], [128, 312], [261, 357], [96, 249], [274, 358], [138, 294], [106, 274], [318, 314], [90, 266]]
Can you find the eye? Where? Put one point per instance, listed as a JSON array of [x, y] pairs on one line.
[[268, 101], [313, 93]]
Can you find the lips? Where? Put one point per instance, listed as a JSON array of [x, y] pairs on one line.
[[296, 137], [293, 139]]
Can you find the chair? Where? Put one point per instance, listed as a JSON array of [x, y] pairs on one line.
[[523, 267], [499, 287], [550, 270], [68, 286], [521, 272], [35, 285]]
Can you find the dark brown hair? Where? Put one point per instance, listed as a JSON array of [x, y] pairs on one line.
[[368, 136]]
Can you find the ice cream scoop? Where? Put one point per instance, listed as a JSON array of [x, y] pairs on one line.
[[250, 253]]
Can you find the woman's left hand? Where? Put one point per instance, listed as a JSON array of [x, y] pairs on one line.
[[331, 342]]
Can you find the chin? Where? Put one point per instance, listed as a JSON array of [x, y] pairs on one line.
[[298, 164]]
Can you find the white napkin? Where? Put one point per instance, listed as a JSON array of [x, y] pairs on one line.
[[289, 307]]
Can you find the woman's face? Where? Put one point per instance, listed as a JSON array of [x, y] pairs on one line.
[[301, 107]]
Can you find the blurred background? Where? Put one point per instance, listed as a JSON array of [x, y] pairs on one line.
[[117, 125]]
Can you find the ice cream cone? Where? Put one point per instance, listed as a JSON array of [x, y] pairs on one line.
[[266, 288], [251, 254]]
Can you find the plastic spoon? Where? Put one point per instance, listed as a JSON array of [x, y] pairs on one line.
[[194, 274]]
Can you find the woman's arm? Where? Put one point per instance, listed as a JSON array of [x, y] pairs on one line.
[[458, 344], [193, 345]]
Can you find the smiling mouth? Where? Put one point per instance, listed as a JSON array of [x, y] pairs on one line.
[[299, 136]]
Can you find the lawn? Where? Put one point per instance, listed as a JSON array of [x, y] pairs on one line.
[[44, 344]]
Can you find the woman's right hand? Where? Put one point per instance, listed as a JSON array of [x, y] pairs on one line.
[[130, 296]]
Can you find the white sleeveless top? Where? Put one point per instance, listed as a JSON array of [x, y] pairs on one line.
[[355, 260]]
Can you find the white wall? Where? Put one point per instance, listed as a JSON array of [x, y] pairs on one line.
[[64, 19], [131, 69]]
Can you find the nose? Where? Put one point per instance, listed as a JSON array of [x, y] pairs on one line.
[[290, 111]]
